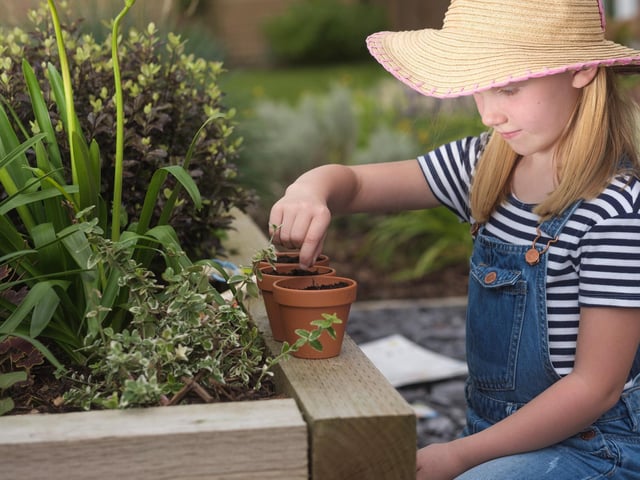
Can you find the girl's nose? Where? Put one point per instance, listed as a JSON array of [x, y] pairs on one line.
[[490, 113]]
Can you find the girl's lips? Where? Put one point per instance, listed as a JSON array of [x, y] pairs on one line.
[[509, 135]]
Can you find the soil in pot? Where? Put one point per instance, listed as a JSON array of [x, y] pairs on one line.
[[302, 300], [327, 287], [269, 276]]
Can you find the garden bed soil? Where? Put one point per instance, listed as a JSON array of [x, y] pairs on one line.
[[42, 392]]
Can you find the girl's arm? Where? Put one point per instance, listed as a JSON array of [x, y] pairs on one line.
[[608, 339], [304, 212]]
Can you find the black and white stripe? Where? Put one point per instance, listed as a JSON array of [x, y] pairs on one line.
[[594, 263]]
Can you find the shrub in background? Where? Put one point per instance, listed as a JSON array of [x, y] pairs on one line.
[[75, 283], [282, 141], [187, 17], [323, 31], [418, 242], [168, 95]]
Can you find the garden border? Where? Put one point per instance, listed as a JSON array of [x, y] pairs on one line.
[[342, 420]]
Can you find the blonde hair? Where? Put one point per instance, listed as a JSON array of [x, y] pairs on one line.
[[601, 131]]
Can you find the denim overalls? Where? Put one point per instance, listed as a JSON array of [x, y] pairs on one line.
[[509, 364]]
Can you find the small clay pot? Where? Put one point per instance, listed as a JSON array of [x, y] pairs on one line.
[[269, 277], [304, 299]]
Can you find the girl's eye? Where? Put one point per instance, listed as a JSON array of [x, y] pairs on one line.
[[508, 91]]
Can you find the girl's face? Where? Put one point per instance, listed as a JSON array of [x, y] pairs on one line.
[[532, 114]]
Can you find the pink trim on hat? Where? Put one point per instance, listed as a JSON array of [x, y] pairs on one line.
[[418, 86], [451, 93]]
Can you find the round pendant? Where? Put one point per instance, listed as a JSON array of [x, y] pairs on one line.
[[532, 256]]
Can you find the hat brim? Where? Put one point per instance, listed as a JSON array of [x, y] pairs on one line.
[[443, 65]]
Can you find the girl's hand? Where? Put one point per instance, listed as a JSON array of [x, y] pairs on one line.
[[300, 220], [302, 216], [438, 461]]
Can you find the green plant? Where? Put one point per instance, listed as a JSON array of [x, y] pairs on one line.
[[167, 95], [182, 331], [311, 337], [323, 31], [53, 208], [184, 335], [425, 240], [76, 277], [245, 87], [386, 144]]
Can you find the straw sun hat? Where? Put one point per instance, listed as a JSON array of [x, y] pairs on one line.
[[490, 43]]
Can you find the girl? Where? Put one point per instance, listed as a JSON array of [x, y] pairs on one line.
[[553, 197]]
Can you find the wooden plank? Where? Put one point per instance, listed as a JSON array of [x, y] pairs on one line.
[[242, 440], [360, 426]]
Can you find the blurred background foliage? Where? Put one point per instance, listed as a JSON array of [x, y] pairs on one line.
[[323, 31], [321, 99], [317, 97]]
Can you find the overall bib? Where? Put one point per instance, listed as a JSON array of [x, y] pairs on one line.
[[509, 365]]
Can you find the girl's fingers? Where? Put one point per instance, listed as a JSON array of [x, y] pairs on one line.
[[311, 248], [293, 228], [300, 227]]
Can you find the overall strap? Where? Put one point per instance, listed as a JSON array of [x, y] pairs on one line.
[[554, 225]]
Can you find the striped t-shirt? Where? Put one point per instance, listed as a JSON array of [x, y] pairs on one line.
[[594, 263]]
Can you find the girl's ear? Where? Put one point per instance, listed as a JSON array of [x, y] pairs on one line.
[[582, 78]]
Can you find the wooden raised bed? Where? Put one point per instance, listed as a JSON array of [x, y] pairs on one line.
[[342, 420]]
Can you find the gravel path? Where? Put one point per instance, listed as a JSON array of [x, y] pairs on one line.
[[434, 324]]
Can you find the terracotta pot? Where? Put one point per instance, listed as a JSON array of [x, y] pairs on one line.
[[291, 258], [265, 284], [300, 303]]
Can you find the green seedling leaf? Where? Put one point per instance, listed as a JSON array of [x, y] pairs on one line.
[[9, 379]]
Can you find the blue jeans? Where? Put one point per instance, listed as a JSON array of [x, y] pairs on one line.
[[509, 365], [608, 449]]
